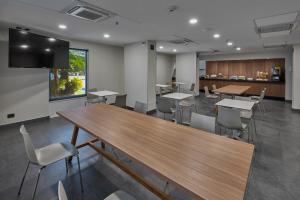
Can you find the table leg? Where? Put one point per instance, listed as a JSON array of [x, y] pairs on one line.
[[74, 138], [177, 111]]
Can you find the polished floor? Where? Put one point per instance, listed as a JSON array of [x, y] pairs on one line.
[[275, 175]]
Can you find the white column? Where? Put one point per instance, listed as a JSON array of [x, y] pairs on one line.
[[296, 78]]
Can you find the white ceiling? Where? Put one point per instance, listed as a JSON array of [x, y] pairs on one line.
[[141, 20]]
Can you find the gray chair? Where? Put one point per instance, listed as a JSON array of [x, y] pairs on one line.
[[47, 155], [166, 106], [229, 118], [208, 95], [121, 101], [118, 195], [90, 98], [140, 107], [203, 122], [191, 90]]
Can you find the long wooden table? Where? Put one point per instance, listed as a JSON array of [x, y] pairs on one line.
[[206, 165], [232, 89]]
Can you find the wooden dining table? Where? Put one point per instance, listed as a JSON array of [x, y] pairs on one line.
[[232, 90], [205, 165]]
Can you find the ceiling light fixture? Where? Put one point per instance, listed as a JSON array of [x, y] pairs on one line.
[[217, 35], [23, 32], [161, 47], [24, 46], [52, 39], [62, 26], [47, 50], [238, 48], [193, 21], [106, 35], [229, 43], [174, 50]]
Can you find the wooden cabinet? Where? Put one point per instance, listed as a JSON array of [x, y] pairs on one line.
[[274, 89]]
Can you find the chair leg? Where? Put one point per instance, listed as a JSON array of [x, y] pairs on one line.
[[19, 192], [37, 182], [78, 162], [166, 186], [67, 167]]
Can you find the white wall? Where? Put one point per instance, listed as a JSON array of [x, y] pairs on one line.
[[296, 77], [164, 66], [187, 70], [287, 54], [140, 73], [25, 92]]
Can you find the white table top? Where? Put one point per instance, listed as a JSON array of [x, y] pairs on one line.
[[179, 83], [232, 103], [104, 93], [163, 86], [177, 96]]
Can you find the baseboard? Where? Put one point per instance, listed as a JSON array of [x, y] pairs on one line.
[[25, 122]]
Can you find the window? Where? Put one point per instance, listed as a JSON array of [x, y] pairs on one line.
[[71, 82]]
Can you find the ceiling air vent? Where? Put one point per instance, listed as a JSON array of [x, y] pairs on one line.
[[275, 46], [89, 13], [276, 25]]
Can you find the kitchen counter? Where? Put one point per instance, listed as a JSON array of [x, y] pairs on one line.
[[275, 89]]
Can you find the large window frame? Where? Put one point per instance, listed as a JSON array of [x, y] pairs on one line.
[[51, 99]]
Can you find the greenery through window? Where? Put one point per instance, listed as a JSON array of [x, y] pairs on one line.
[[70, 82]]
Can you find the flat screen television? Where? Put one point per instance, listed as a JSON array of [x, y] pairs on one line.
[[29, 50]]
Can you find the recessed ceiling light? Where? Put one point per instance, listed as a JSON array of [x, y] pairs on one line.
[[238, 48], [174, 50], [47, 50], [229, 43], [161, 47], [217, 35], [193, 21], [24, 46], [52, 39], [106, 35], [62, 26], [23, 32]]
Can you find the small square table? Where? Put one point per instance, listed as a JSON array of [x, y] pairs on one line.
[[177, 97], [239, 104], [104, 94]]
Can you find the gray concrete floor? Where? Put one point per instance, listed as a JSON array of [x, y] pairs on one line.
[[275, 176]]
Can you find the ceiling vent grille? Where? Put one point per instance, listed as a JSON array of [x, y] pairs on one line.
[[276, 25], [275, 46], [89, 13]]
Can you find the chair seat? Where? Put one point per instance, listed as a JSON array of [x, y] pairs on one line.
[[119, 195], [55, 152], [246, 114], [211, 96]]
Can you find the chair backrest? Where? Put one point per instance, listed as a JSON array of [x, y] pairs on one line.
[[214, 87], [121, 101], [164, 105], [140, 107], [61, 192], [229, 117], [203, 122], [30, 150], [206, 91], [262, 94], [242, 98], [192, 87], [91, 96]]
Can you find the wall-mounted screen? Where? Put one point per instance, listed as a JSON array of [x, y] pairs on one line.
[[29, 50]]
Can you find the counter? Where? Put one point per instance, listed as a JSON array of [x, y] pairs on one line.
[[275, 89]]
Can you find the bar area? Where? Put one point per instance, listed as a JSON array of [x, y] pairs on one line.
[[256, 73]]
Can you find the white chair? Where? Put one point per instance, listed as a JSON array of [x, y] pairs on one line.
[[247, 114], [140, 107], [208, 95], [229, 118], [214, 87], [118, 195], [258, 100], [47, 155], [203, 122]]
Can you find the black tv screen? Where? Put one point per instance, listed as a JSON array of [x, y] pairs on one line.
[[29, 50]]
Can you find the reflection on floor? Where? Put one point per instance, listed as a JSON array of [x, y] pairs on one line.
[[275, 168]]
